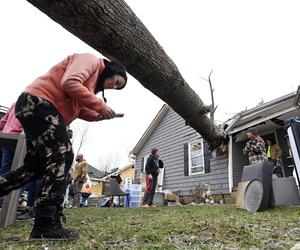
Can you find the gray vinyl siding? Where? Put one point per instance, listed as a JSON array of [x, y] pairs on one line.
[[169, 137], [239, 160]]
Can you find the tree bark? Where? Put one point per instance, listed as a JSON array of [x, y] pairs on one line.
[[112, 28]]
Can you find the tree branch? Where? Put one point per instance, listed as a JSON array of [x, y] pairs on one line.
[[112, 28]]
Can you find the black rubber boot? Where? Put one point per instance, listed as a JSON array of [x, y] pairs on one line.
[[47, 225]]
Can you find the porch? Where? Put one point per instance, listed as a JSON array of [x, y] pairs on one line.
[[269, 119]]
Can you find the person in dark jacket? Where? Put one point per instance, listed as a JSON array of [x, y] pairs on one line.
[[152, 171]]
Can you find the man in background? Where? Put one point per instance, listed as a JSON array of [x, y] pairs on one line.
[[79, 177]]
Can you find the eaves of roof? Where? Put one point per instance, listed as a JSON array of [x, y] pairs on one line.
[[266, 111], [164, 109]]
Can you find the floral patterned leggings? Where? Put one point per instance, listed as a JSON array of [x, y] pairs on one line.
[[49, 151]]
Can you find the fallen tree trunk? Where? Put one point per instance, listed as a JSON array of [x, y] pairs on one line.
[[112, 28]]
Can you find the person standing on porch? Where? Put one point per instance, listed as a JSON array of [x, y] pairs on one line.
[[274, 154], [153, 165], [273, 151], [255, 147]]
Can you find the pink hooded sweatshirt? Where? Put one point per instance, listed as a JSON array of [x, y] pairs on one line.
[[9, 124], [70, 87]]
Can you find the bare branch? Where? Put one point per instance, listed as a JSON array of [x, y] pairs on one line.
[[215, 108], [80, 135], [109, 161], [212, 108]]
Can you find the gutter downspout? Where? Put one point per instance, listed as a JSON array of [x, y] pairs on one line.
[[230, 166]]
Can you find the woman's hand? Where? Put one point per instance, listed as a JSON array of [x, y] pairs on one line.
[[107, 113]]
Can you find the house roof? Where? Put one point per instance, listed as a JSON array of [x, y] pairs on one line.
[[117, 172], [276, 111], [94, 172], [270, 114], [164, 109]]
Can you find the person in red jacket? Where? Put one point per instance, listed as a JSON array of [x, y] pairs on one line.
[[49, 104], [86, 191]]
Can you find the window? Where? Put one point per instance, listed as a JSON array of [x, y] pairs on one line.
[[196, 157]]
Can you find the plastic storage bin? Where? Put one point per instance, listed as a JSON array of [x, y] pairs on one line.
[[136, 187], [135, 204], [136, 198], [135, 195]]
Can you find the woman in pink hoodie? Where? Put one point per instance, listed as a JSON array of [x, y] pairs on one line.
[[49, 104]]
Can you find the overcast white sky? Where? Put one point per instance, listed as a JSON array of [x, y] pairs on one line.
[[253, 48]]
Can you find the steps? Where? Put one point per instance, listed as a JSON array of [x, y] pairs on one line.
[[231, 198]]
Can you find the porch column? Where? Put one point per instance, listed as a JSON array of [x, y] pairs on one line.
[[230, 167], [295, 153]]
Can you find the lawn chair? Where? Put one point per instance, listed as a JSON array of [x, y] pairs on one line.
[[115, 190]]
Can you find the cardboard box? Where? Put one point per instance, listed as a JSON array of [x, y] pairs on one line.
[[171, 197]]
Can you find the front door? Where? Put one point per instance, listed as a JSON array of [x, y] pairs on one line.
[[160, 179]]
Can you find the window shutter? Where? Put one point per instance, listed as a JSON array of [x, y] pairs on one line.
[[186, 158], [206, 157], [142, 167]]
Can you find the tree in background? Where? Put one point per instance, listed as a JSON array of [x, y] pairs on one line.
[[109, 162], [80, 136]]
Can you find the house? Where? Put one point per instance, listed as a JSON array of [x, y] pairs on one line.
[[187, 161], [95, 173], [99, 184], [184, 153]]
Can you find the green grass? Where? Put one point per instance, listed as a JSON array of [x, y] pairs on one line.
[[185, 227]]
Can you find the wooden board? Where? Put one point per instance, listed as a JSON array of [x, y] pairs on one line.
[[240, 201]]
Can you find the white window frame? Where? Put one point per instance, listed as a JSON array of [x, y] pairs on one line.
[[190, 158]]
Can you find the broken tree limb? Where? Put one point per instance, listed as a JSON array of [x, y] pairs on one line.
[[112, 28], [213, 108]]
